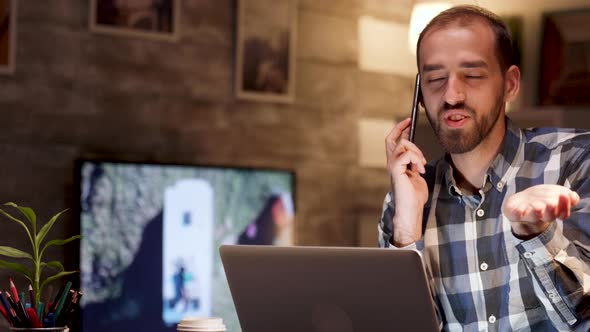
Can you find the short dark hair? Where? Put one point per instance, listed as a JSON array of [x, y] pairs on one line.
[[466, 14]]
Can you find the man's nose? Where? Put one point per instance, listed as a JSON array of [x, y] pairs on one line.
[[455, 92]]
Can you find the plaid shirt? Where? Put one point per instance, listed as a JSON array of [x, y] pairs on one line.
[[483, 277]]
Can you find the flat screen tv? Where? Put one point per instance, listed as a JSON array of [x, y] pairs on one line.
[[151, 232]]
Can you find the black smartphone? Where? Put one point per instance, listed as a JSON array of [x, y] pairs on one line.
[[415, 108]]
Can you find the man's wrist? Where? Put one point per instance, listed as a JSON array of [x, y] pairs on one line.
[[404, 233], [526, 231], [401, 244], [403, 239]]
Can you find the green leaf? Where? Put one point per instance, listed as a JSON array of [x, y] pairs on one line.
[[56, 276], [9, 216], [53, 264], [14, 253], [58, 243], [45, 229], [27, 212], [17, 268]]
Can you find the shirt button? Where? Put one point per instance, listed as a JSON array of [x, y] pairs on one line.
[[499, 186], [492, 319], [528, 255], [480, 213], [483, 266]]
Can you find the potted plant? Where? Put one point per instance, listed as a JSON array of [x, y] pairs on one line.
[[33, 271]]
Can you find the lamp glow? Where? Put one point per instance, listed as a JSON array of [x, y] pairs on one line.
[[422, 13]]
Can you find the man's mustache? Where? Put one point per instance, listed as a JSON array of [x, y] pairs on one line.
[[459, 106]]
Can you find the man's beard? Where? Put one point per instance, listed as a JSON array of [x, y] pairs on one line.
[[457, 141]]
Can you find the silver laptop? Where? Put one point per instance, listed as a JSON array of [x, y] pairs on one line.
[[328, 289]]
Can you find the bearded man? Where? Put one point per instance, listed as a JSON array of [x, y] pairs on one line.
[[502, 220]]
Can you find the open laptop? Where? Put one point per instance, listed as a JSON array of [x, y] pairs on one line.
[[328, 289]]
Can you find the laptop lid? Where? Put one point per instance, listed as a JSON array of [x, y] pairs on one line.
[[325, 289]]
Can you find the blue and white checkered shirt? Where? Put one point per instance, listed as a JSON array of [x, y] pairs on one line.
[[482, 276]]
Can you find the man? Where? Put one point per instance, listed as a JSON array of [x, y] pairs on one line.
[[502, 221]]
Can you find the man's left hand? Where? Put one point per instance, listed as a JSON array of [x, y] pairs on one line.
[[532, 210]]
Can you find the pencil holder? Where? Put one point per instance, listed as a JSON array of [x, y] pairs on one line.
[[40, 329]]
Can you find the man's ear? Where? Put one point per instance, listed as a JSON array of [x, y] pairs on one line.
[[511, 83]]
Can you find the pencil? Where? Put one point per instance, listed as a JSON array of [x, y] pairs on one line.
[[32, 297], [22, 318], [62, 300], [62, 309], [5, 314], [13, 290], [11, 313], [4, 303], [40, 310], [61, 315], [35, 322], [55, 302], [72, 308]]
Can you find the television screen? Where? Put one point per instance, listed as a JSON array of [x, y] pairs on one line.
[[150, 237]]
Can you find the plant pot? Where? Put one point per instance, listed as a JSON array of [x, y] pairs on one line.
[[39, 329]]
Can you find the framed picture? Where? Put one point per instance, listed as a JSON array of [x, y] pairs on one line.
[[155, 19], [564, 73], [7, 36], [265, 52]]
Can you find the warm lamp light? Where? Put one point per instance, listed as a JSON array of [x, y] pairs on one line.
[[422, 13], [383, 47]]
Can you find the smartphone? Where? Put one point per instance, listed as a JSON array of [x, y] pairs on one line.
[[415, 108]]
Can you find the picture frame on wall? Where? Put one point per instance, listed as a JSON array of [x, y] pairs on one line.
[[265, 50], [564, 73], [7, 36], [152, 19]]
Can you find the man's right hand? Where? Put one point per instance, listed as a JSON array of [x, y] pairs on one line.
[[405, 162]]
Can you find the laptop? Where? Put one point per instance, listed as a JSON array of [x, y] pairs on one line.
[[328, 289]]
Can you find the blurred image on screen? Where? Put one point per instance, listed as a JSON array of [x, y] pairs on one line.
[[150, 232]]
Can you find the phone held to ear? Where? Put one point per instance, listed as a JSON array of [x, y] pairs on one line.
[[415, 108]]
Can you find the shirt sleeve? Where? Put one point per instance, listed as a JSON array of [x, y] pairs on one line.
[[385, 227], [386, 232], [560, 256]]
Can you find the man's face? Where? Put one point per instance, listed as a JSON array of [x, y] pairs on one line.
[[462, 84]]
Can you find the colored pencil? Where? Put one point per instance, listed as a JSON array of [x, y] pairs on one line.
[[32, 297], [13, 290]]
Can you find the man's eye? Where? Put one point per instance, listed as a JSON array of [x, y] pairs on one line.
[[474, 76], [436, 79]]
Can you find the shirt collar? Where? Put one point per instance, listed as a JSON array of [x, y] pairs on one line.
[[505, 161], [499, 170]]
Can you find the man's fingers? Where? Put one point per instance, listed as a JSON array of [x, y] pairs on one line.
[[396, 132], [538, 210], [564, 206], [414, 167], [550, 212], [397, 146], [541, 203], [574, 198], [406, 155], [405, 145], [512, 214], [566, 201], [406, 133], [409, 157]]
